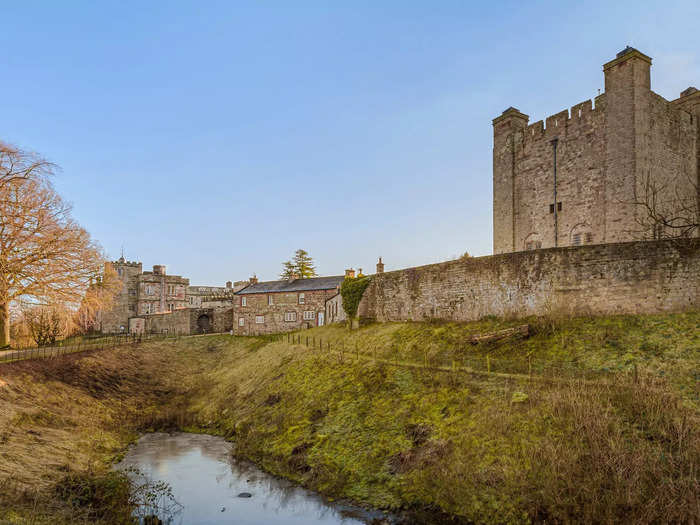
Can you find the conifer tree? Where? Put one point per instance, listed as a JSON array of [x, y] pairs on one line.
[[301, 266]]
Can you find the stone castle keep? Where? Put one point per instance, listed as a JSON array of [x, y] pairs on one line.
[[571, 208], [578, 177]]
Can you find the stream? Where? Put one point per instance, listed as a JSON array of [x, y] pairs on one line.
[[193, 479]]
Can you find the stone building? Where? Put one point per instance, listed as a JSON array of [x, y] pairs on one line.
[[213, 296], [155, 302], [584, 175], [159, 292], [283, 306]]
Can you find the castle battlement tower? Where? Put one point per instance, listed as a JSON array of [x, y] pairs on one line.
[[579, 176]]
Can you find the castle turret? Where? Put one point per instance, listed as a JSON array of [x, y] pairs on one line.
[[507, 139], [627, 94]]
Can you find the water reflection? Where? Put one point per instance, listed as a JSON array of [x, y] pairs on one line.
[[207, 482]]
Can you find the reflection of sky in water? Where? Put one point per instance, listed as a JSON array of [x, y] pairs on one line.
[[205, 480]]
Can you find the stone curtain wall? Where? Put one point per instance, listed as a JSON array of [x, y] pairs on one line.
[[634, 277]]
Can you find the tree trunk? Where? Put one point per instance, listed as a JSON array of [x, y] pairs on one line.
[[4, 325]]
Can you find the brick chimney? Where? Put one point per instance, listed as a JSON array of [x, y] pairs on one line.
[[293, 277], [229, 284], [380, 266], [349, 273], [159, 269], [254, 280]]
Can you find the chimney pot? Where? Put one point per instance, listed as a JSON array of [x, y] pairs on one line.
[[229, 284], [380, 266]]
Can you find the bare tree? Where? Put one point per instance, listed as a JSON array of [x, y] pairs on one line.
[[47, 324], [45, 256], [99, 297], [17, 165], [668, 209]]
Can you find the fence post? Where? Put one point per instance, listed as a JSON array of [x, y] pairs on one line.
[[307, 341], [320, 344]]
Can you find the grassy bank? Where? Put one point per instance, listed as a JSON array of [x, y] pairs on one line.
[[482, 448]]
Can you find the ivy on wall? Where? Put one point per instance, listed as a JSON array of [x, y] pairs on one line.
[[351, 291]]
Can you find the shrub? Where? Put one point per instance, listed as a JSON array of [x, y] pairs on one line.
[[351, 290]]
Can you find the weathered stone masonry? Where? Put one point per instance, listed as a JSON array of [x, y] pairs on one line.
[[632, 277], [605, 155]]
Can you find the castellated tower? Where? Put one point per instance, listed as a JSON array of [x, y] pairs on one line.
[[126, 301], [579, 177]]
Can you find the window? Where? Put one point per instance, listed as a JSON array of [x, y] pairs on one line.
[[244, 301], [241, 321], [301, 298], [270, 300], [551, 207], [533, 245], [170, 289], [149, 290], [259, 319], [309, 315], [170, 307], [290, 316]]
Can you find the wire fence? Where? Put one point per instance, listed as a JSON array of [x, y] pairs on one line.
[[93, 343], [527, 366]]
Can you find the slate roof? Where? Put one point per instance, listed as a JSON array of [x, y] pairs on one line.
[[298, 285]]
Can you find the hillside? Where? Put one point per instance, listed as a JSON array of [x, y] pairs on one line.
[[592, 419]]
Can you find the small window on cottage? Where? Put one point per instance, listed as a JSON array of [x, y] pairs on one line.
[[290, 316], [244, 301], [301, 298], [259, 319], [309, 315], [241, 321], [576, 239], [270, 300]]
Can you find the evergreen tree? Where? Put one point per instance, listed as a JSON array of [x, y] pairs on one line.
[[301, 266]]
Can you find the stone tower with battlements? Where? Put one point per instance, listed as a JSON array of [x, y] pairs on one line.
[[579, 176]]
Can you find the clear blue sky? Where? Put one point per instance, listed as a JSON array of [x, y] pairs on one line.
[[218, 137]]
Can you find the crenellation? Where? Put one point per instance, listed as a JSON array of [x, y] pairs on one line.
[[605, 150]]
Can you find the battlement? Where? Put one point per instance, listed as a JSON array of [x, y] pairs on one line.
[[122, 262], [566, 120]]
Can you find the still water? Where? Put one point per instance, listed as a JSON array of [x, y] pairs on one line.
[[210, 487]]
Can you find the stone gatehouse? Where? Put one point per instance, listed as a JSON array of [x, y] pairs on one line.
[[156, 302], [584, 175]]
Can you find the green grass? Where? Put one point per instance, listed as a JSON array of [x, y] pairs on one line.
[[477, 447]]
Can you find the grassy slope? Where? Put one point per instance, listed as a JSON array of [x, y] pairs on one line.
[[468, 445]]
